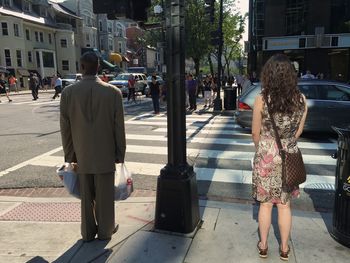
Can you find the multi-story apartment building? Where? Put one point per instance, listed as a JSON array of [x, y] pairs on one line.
[[112, 40], [37, 36], [84, 9], [315, 34]]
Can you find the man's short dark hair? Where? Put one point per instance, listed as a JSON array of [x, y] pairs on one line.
[[89, 62]]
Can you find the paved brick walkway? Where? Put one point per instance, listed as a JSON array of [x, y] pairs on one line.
[[59, 192]]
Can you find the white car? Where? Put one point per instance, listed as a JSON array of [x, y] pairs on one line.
[[70, 79], [121, 82]]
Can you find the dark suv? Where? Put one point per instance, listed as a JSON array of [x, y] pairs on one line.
[[328, 104]]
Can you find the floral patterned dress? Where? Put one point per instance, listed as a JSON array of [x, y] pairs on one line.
[[267, 163]]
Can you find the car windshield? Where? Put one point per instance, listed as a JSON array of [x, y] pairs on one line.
[[69, 76], [122, 77], [149, 78]]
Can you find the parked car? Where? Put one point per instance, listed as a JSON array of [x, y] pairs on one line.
[[328, 105], [121, 81], [70, 79]]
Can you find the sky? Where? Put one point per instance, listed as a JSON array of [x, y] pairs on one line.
[[243, 6]]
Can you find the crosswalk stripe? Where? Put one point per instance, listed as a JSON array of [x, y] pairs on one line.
[[203, 174], [245, 177], [189, 122], [241, 142], [207, 131], [228, 155]]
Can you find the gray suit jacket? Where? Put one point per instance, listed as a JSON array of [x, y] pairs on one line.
[[92, 125]]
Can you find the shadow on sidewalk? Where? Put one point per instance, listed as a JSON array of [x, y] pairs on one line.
[[85, 252]]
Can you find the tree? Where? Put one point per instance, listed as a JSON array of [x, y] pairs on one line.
[[233, 28], [198, 31]]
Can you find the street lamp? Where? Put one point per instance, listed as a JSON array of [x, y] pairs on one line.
[[177, 208]]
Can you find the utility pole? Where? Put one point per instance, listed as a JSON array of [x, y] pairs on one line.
[[177, 208], [218, 100]]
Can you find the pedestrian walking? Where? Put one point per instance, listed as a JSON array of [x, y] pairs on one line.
[[104, 77], [33, 85], [58, 86], [155, 91], [13, 83], [93, 136], [38, 85], [192, 86], [208, 92], [131, 87], [281, 98], [3, 89]]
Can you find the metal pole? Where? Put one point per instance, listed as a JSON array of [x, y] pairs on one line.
[[177, 206], [218, 100]]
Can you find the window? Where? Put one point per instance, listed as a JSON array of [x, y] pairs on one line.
[[43, 11], [65, 65], [330, 92], [5, 30], [100, 25], [64, 43], [110, 44], [26, 6], [102, 46], [310, 91], [19, 58], [27, 34], [119, 32], [36, 36], [41, 37], [120, 47], [16, 30], [50, 38], [38, 59], [48, 60], [30, 58], [109, 27], [87, 37], [8, 58]]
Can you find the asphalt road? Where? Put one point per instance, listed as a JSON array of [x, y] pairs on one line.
[[31, 128]]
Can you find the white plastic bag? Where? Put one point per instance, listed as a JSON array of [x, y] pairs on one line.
[[123, 183], [70, 179]]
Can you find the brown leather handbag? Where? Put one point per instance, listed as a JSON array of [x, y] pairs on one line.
[[293, 168]]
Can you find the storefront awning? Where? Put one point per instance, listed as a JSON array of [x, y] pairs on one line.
[[23, 72], [116, 57]]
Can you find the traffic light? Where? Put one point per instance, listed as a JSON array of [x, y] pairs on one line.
[[210, 10], [133, 9]]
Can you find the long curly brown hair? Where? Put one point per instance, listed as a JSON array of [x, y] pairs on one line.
[[279, 85]]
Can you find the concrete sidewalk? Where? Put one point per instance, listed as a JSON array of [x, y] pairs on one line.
[[48, 230]]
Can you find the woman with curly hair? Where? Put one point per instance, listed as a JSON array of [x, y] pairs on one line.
[[281, 97]]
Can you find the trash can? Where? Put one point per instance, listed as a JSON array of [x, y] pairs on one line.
[[229, 98], [341, 210]]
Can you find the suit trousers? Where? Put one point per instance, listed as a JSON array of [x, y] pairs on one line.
[[97, 205]]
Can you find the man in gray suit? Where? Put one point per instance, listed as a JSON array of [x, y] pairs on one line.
[[93, 136]]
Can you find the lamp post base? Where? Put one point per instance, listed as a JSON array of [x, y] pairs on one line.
[[218, 104], [177, 208]]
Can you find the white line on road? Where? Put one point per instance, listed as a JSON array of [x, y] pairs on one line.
[[30, 161], [241, 142]]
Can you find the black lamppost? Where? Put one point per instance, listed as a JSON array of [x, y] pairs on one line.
[[218, 100], [177, 208]]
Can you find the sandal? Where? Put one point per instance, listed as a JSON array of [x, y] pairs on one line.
[[284, 255], [262, 252]]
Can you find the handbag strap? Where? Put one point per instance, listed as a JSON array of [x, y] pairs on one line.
[[278, 139]]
